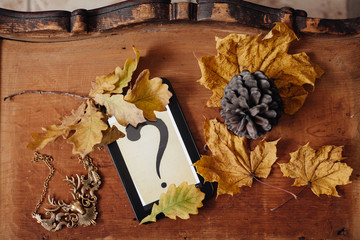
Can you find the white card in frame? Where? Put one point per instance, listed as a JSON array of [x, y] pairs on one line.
[[155, 155]]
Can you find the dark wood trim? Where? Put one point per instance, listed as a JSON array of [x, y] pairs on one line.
[[81, 22], [242, 12], [328, 26]]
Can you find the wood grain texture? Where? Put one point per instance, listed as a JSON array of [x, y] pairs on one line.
[[66, 26], [330, 116]]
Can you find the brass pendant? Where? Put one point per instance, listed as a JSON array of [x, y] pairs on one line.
[[79, 212]]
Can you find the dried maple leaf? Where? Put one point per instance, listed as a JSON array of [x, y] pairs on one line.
[[88, 132], [232, 164], [40, 140], [177, 202], [123, 111], [238, 52], [321, 169], [149, 95], [117, 80]]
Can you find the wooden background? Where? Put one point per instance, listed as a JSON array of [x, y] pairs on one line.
[[47, 60]]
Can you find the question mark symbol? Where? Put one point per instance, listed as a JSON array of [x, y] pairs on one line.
[[133, 134]]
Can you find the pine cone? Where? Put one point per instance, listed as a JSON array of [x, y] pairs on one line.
[[251, 104]]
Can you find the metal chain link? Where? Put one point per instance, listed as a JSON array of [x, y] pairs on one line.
[[47, 160]]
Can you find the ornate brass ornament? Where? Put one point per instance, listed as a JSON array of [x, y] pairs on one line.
[[79, 212]]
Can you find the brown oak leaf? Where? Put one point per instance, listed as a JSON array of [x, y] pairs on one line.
[[232, 164], [149, 95], [103, 84], [238, 52], [110, 135], [117, 80], [50, 133], [88, 132], [124, 112], [322, 170]]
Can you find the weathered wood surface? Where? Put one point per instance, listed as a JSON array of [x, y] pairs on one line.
[[330, 116], [64, 25]]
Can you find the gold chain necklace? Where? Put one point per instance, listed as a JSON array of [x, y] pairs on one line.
[[79, 212]]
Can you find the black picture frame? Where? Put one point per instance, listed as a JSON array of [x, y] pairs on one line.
[[141, 210]]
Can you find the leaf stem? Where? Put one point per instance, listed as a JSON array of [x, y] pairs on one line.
[[297, 195], [46, 92], [278, 188]]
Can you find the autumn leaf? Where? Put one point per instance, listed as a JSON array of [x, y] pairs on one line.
[[124, 112], [86, 128], [232, 164], [49, 134], [40, 140], [126, 73], [238, 52], [89, 126], [73, 119], [117, 80], [88, 132], [149, 95], [177, 202], [322, 170], [103, 84], [110, 135]]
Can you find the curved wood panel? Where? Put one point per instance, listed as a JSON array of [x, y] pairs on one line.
[[64, 25]]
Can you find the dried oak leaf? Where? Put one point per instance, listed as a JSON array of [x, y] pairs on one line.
[[117, 80], [149, 95], [321, 169], [40, 140], [110, 135], [177, 202], [238, 52], [49, 134], [88, 132], [123, 111], [85, 116], [232, 164]]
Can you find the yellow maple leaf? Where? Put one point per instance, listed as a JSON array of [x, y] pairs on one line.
[[50, 133], [124, 112], [177, 202], [238, 52], [321, 169], [149, 95], [117, 80], [232, 164], [88, 132]]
